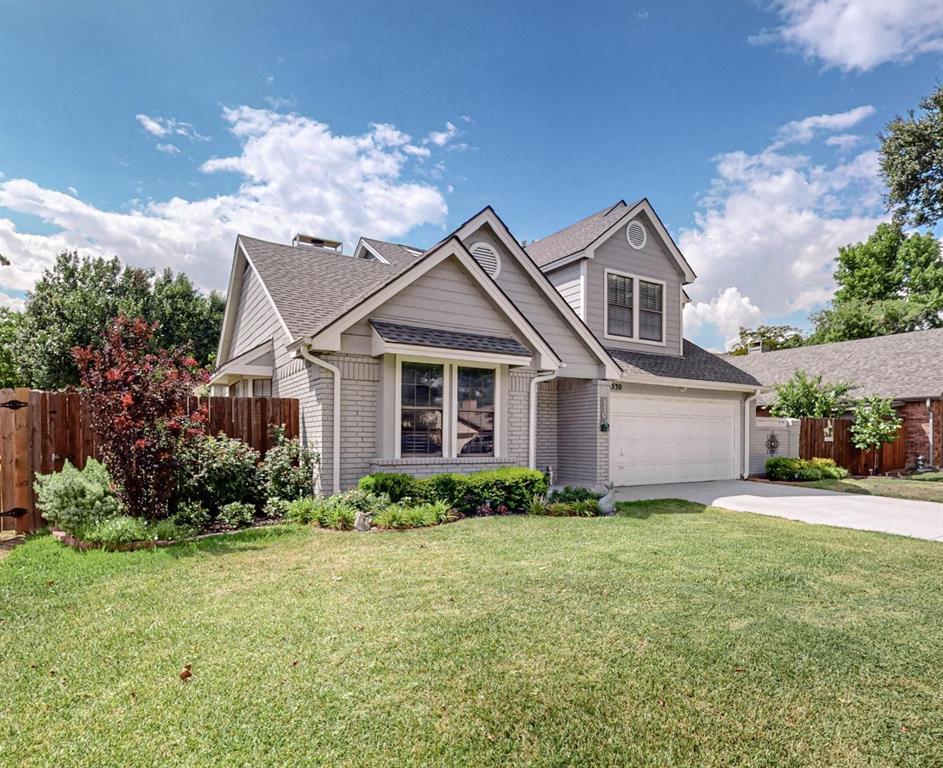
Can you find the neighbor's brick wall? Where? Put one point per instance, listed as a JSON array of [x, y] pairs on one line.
[[916, 418]]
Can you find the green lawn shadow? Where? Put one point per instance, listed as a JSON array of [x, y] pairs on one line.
[[645, 508], [237, 541]]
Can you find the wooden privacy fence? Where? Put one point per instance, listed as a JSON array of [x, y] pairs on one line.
[[814, 443], [40, 430]]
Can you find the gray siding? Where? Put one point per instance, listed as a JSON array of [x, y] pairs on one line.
[[256, 321], [569, 282], [582, 448], [531, 301], [446, 297], [651, 261]]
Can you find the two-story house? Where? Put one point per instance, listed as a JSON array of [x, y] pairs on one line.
[[478, 353]]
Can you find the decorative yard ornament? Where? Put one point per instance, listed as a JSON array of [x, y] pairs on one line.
[[772, 444], [607, 504], [828, 432]]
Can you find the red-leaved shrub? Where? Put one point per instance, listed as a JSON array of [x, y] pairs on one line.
[[138, 405]]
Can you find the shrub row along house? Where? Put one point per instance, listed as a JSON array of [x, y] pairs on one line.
[[906, 368], [477, 353]]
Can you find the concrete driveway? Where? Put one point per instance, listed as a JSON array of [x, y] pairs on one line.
[[920, 519]]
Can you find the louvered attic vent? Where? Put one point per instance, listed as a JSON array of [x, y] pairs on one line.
[[487, 257], [636, 235]]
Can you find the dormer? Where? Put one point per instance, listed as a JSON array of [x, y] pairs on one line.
[[623, 275]]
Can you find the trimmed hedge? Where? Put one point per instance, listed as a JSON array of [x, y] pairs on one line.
[[480, 493], [791, 469]]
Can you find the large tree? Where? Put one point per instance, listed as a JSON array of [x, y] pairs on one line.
[[803, 397], [891, 283], [76, 300], [9, 370], [772, 337], [912, 163]]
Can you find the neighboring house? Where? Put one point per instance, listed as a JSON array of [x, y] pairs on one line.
[[476, 353], [906, 368]]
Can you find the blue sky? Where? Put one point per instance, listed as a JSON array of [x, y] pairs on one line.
[[156, 132]]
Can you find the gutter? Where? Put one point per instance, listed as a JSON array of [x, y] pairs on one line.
[[336, 439], [532, 426]]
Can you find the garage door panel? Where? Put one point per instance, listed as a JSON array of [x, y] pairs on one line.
[[670, 439]]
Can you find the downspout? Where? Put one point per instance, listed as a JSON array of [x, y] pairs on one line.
[[336, 440], [532, 433], [747, 428]]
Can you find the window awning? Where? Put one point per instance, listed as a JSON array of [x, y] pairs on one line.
[[393, 338]]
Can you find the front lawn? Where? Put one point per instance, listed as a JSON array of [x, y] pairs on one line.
[[894, 487], [667, 636]]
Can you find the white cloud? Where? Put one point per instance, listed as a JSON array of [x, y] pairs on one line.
[[168, 149], [803, 131], [441, 138], [293, 174], [858, 34], [768, 230], [843, 141], [728, 312], [11, 302], [168, 126], [73, 191]]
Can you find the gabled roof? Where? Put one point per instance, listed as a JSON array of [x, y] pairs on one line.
[[581, 239], [901, 366], [696, 364], [394, 253], [577, 236], [310, 287], [436, 337]]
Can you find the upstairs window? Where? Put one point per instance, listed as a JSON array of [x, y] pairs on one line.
[[651, 310], [421, 409], [619, 299]]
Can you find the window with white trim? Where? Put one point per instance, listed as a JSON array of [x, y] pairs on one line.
[[421, 406], [651, 310], [475, 398], [619, 303]]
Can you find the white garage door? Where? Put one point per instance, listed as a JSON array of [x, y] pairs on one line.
[[672, 439]]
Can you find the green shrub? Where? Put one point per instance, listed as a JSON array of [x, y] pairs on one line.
[[362, 501], [397, 486], [192, 516], [275, 509], [327, 512], [397, 516], [804, 470], [288, 470], [498, 490], [113, 531], [584, 508], [168, 530], [236, 514], [568, 495], [538, 505], [216, 471], [73, 500]]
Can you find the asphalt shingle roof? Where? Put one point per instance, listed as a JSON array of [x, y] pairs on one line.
[[312, 287], [696, 363], [395, 253], [576, 236], [904, 365], [434, 337]]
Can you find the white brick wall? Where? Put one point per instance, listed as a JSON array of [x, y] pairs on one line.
[[786, 432]]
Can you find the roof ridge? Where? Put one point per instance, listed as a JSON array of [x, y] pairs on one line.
[[598, 214]]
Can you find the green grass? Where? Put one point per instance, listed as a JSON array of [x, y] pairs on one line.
[[666, 636], [928, 477], [883, 486]]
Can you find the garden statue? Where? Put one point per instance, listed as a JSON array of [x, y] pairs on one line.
[[607, 504], [362, 522]]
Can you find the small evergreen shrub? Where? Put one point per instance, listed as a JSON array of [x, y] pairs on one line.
[[326, 512], [804, 470], [288, 470], [396, 516], [73, 500], [216, 471], [121, 529], [191, 516], [168, 530], [584, 508], [236, 514], [568, 495], [397, 486], [276, 509]]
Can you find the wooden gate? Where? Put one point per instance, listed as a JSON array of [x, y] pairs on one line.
[[40, 430], [814, 444]]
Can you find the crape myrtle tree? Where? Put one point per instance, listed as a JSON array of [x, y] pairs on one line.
[[139, 409], [875, 423], [803, 397]]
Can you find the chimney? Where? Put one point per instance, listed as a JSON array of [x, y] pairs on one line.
[[756, 347], [311, 241]]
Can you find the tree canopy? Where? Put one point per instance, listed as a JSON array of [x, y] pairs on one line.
[[76, 300], [772, 337], [803, 396], [890, 283], [912, 163]]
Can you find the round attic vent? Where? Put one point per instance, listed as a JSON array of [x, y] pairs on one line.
[[636, 235], [487, 257]]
